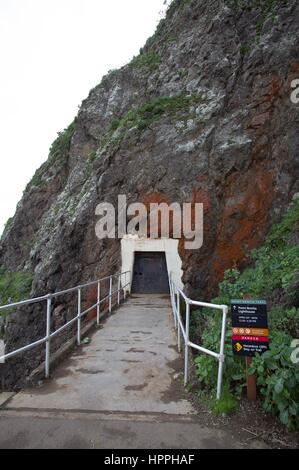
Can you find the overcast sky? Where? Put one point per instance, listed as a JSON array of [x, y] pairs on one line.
[[52, 52]]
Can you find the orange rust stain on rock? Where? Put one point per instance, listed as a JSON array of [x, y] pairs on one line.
[[199, 196], [293, 74], [91, 299], [156, 198], [244, 219], [202, 196], [294, 67], [276, 86], [260, 120]]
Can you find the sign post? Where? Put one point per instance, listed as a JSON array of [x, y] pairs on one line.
[[251, 381], [250, 334]]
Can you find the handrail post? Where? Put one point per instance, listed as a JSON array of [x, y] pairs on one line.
[[79, 318], [98, 305], [179, 326], [118, 290], [125, 286], [174, 304], [176, 293], [172, 299], [130, 282], [171, 295], [48, 332], [186, 377], [222, 348], [110, 295]]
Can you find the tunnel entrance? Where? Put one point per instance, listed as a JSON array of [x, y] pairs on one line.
[[150, 274]]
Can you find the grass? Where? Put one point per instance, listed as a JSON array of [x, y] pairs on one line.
[[246, 48], [161, 30], [183, 73], [14, 286], [107, 78], [61, 145], [8, 224], [265, 9], [58, 154], [89, 165], [146, 60], [143, 117], [227, 404]]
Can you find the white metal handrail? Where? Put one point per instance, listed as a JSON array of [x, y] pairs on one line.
[[123, 284], [184, 330]]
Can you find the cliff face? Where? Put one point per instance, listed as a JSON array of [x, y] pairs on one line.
[[202, 115]]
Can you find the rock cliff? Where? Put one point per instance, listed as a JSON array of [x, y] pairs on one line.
[[203, 114]]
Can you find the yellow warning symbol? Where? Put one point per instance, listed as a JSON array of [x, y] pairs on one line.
[[238, 347]]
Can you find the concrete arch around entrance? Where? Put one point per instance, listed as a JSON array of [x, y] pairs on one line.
[[132, 244]]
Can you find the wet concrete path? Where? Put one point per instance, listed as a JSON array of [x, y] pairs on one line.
[[123, 390], [129, 366]]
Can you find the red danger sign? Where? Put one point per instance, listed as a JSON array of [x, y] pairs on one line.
[[260, 339]]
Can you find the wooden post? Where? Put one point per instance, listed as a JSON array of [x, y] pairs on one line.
[[251, 381]]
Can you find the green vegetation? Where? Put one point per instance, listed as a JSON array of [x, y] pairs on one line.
[[265, 9], [246, 48], [161, 32], [171, 38], [152, 111], [178, 4], [274, 275], [14, 287], [89, 164], [92, 156], [107, 78], [226, 405], [149, 60], [61, 145], [183, 73], [58, 154], [8, 224], [278, 379]]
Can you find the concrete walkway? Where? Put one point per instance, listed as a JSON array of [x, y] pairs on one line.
[[123, 390]]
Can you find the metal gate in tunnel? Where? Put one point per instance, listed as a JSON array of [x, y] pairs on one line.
[[150, 274]]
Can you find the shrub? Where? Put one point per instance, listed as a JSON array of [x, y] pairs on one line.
[[58, 153], [275, 269], [278, 380], [264, 9], [234, 378], [14, 287], [285, 320], [8, 224], [149, 60], [61, 145], [153, 110], [226, 405]]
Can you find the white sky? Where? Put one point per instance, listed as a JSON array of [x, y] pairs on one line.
[[52, 52]]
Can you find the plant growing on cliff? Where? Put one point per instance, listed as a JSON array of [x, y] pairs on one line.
[[61, 145], [273, 275], [89, 164], [265, 9], [152, 111], [8, 224], [14, 286], [146, 60], [58, 154]]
